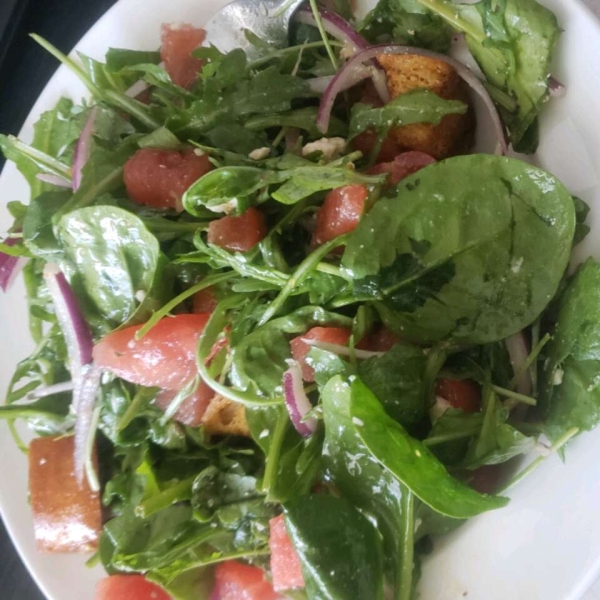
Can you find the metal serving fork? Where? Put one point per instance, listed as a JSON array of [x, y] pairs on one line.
[[268, 19]]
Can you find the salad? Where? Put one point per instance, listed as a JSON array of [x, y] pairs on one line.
[[289, 327]]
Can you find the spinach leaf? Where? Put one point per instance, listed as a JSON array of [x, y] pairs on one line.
[[512, 41], [361, 479], [119, 58], [55, 134], [473, 262], [409, 23], [113, 263], [570, 393], [241, 184], [411, 462], [397, 378], [38, 232], [417, 106], [258, 361], [333, 539]]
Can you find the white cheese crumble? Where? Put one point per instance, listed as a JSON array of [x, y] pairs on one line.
[[259, 153], [330, 147], [227, 207]]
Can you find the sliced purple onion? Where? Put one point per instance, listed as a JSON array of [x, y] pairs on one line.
[[360, 73], [335, 25], [85, 393], [518, 352], [86, 378], [75, 330], [137, 88], [556, 88], [341, 350], [82, 149], [296, 400], [56, 180], [10, 266], [341, 82]]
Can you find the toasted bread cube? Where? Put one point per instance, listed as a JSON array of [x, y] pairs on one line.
[[67, 515], [224, 417], [454, 135]]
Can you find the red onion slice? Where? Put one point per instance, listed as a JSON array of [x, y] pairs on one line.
[[75, 330], [139, 87], [82, 149], [518, 352], [86, 422], [296, 400], [335, 25], [56, 180], [340, 83], [10, 266], [556, 88]]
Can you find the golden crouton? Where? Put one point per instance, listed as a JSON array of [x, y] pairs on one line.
[[454, 135], [224, 417]]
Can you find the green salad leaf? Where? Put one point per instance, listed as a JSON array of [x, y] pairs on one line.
[[331, 537], [472, 263]]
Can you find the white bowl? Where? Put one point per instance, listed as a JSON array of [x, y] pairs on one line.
[[546, 543]]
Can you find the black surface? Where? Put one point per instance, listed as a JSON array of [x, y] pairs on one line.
[[24, 71]]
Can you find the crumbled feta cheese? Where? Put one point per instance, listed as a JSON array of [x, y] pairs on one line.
[[557, 376], [259, 153], [330, 147], [140, 296], [227, 207], [358, 422], [199, 152], [347, 52], [263, 434], [439, 408]]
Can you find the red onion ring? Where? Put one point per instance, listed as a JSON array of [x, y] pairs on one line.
[[56, 180], [556, 88], [296, 400], [82, 149], [335, 25], [10, 266], [518, 352], [86, 378], [340, 81]]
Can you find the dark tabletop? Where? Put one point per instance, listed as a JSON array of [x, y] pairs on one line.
[[24, 71]]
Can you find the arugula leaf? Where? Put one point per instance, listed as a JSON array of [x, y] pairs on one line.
[[411, 462], [302, 118], [332, 538], [582, 210], [111, 258], [570, 392], [473, 262], [38, 232], [397, 379], [119, 58], [242, 185], [407, 22], [258, 361], [417, 106], [512, 41]]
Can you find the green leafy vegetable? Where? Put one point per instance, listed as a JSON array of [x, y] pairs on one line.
[[331, 538], [411, 462], [570, 392], [418, 106], [113, 262], [474, 262]]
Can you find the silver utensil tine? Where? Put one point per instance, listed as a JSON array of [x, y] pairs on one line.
[[268, 19]]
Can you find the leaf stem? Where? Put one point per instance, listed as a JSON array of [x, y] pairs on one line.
[[179, 492], [514, 395], [560, 443], [169, 306], [272, 460], [449, 13], [139, 401], [321, 28], [277, 53], [306, 266], [407, 540], [46, 162], [449, 437], [530, 360]]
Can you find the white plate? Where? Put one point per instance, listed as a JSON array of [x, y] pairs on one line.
[[546, 544]]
